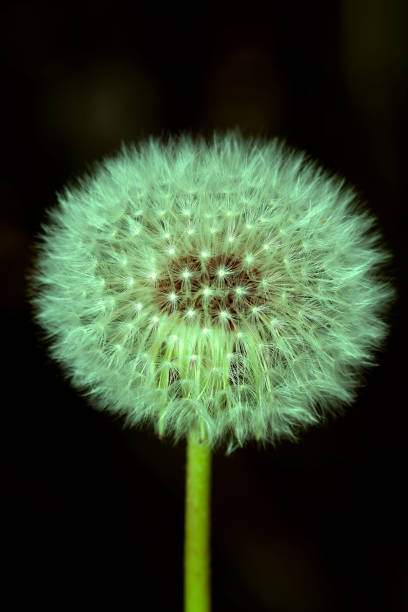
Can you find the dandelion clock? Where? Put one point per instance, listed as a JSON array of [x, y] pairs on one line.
[[219, 291]]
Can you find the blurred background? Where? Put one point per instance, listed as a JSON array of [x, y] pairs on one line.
[[95, 513]]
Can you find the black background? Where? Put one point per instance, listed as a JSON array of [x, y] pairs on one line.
[[94, 513]]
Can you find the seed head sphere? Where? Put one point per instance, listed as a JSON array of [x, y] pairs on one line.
[[230, 285]]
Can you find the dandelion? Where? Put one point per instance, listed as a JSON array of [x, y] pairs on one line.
[[221, 292]]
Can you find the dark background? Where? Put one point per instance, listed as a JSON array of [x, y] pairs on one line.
[[94, 513]]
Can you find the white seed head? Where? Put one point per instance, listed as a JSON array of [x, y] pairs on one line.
[[225, 285]]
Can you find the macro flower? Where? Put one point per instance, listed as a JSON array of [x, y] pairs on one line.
[[231, 286]]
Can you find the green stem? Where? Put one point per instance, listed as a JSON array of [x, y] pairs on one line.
[[197, 597]]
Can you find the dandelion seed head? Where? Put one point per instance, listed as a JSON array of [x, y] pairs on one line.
[[230, 285]]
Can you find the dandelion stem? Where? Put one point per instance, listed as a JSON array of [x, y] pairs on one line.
[[197, 596]]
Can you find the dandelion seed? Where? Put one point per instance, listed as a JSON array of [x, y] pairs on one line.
[[250, 331]]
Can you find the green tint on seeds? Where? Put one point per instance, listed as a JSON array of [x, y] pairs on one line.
[[232, 286]]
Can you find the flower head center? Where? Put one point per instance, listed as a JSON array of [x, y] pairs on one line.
[[209, 290]]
